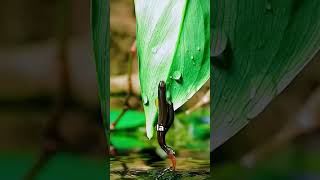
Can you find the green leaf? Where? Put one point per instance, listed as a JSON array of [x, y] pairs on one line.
[[201, 131], [173, 43], [131, 119], [100, 25], [258, 48], [127, 142], [100, 35]]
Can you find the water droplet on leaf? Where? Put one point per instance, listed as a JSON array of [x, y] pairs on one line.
[[221, 52], [145, 100], [219, 42], [168, 95], [154, 50], [177, 75]]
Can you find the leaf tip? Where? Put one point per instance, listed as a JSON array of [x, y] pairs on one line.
[[149, 137]]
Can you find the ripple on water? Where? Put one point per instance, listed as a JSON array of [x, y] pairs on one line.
[[160, 174], [188, 168]]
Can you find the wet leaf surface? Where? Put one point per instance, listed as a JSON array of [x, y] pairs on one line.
[[258, 48], [173, 46]]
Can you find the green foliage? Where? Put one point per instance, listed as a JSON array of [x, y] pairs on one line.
[[190, 131], [173, 46], [131, 119], [127, 135], [258, 47], [128, 141]]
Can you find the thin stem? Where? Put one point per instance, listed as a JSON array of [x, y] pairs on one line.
[[126, 105], [52, 139]]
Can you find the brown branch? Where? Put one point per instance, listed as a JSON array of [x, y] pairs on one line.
[[120, 84], [129, 75], [45, 155], [52, 139], [127, 105], [124, 110]]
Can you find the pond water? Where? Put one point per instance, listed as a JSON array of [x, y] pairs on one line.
[[190, 165]]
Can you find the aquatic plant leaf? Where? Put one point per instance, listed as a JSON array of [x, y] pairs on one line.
[[258, 47], [131, 119], [100, 35], [173, 44]]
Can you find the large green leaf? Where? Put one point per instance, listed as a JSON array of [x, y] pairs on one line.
[[173, 38], [258, 47]]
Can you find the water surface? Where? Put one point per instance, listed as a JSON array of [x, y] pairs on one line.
[[190, 165]]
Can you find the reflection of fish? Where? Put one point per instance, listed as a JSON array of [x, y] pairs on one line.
[[165, 120]]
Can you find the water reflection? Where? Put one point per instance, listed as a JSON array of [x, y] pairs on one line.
[[146, 166]]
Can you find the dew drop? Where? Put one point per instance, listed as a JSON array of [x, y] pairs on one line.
[[221, 54], [168, 95], [145, 100], [176, 75], [192, 57], [218, 42], [154, 50], [198, 48]]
